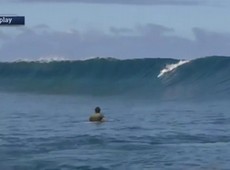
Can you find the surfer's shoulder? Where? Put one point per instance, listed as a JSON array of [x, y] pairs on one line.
[[97, 116]]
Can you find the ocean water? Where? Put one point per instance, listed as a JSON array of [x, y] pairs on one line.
[[160, 114], [48, 132]]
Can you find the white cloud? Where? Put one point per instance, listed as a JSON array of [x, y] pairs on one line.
[[151, 41]]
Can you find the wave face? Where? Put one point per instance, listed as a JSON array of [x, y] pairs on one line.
[[207, 77]]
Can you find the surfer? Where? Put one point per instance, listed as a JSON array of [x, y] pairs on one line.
[[97, 116]]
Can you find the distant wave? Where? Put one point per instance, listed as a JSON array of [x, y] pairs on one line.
[[43, 59], [156, 78]]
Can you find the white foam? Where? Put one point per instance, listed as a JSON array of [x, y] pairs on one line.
[[51, 59], [171, 67], [47, 59]]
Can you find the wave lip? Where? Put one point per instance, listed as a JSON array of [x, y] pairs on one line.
[[43, 60], [171, 67]]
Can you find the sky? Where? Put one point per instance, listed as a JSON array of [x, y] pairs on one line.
[[82, 29]]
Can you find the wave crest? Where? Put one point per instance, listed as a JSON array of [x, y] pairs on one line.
[[171, 67]]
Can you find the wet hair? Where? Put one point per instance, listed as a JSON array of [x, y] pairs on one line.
[[97, 109]]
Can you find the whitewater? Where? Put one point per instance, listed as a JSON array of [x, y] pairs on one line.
[[171, 67], [161, 114]]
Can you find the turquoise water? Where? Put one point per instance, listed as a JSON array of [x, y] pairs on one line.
[[206, 78], [52, 132]]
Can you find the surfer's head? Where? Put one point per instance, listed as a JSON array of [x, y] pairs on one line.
[[97, 109]]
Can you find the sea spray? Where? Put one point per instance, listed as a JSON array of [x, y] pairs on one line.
[[171, 67]]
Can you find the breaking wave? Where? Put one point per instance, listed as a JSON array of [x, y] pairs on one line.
[[155, 78], [171, 67]]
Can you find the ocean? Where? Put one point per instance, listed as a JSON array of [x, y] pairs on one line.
[[160, 114]]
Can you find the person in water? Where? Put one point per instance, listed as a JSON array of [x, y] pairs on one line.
[[97, 116]]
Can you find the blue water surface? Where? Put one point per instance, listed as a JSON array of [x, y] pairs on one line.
[[52, 132]]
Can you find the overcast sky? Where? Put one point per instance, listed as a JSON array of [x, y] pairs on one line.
[[80, 29]]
